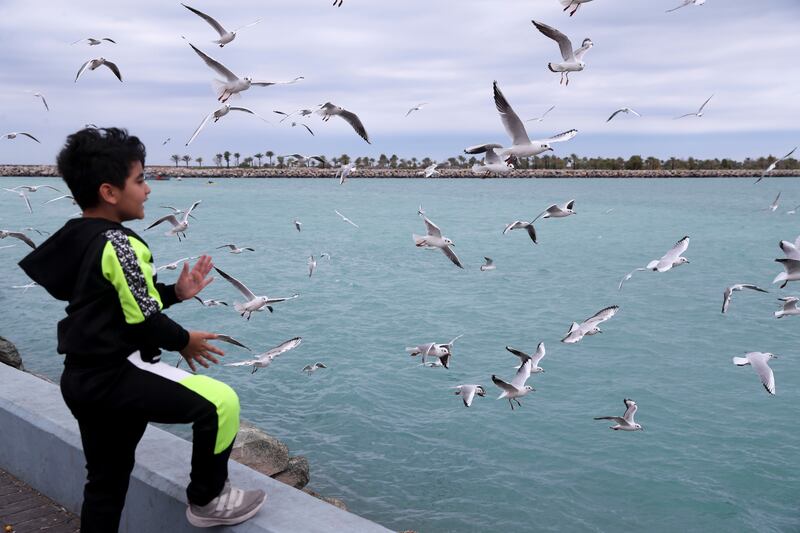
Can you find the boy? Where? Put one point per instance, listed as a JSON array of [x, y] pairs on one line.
[[113, 380]]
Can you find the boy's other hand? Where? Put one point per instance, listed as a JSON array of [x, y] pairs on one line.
[[199, 350], [190, 283]]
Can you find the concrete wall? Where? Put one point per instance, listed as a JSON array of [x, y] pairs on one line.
[[40, 444]]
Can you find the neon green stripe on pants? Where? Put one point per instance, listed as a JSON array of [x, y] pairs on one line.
[[225, 400]]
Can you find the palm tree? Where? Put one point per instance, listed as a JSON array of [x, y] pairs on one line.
[[186, 160], [175, 158], [259, 156], [227, 157], [199, 161], [270, 154], [344, 159], [218, 160], [280, 161], [236, 156]]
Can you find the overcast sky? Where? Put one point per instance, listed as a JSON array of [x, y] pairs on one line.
[[378, 58]]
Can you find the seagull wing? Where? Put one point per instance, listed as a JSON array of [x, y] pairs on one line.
[[452, 256], [247, 25], [268, 83], [684, 4], [48, 107], [83, 69], [752, 287], [513, 125], [519, 353], [197, 131], [21, 236], [244, 109], [215, 65], [503, 385], [704, 103], [481, 148], [602, 315], [189, 211], [522, 376], [433, 229], [665, 263], [114, 68], [355, 122], [214, 24], [630, 411], [468, 394], [230, 340], [618, 419], [241, 287], [563, 41], [285, 346], [561, 137], [726, 299], [37, 140], [759, 363], [243, 363], [517, 224], [169, 218], [614, 114]]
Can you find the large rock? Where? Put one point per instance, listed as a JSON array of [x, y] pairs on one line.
[[260, 451], [296, 473], [333, 501], [9, 354]]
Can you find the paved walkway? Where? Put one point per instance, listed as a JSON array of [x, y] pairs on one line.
[[25, 510]]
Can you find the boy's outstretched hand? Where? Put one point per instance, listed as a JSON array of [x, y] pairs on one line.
[[190, 283], [200, 351]]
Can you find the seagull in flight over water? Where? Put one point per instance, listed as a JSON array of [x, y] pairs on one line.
[[517, 388], [329, 110], [573, 60], [759, 361], [179, 227], [434, 239], [254, 303], [345, 218], [626, 421], [728, 293], [468, 392], [774, 164], [672, 258], [263, 360]]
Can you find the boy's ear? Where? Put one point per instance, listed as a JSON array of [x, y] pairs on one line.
[[108, 193]]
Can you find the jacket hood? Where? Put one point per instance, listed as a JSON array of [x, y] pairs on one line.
[[56, 263]]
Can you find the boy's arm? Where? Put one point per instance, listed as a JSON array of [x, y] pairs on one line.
[[167, 294], [126, 265]]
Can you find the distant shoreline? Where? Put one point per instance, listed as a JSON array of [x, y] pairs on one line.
[[303, 172]]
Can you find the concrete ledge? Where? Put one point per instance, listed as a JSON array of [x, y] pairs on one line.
[[41, 446]]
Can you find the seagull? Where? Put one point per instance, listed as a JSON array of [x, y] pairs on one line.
[[235, 249], [672, 258], [179, 227], [22, 195], [254, 303], [521, 224], [345, 218], [517, 388], [774, 205], [573, 60], [309, 369], [521, 145], [39, 231], [34, 188], [541, 118], [301, 159], [430, 171], [17, 235], [94, 42], [175, 211], [789, 307], [210, 302], [14, 134], [468, 392], [687, 3], [760, 363], [263, 360], [325, 255], [312, 264], [165, 141], [25, 287], [772, 165], [344, 171], [523, 357], [434, 239], [302, 112], [791, 250], [93, 64], [218, 114], [175, 264], [41, 96], [416, 108], [699, 112], [726, 296], [66, 196], [622, 110], [443, 352], [793, 211], [297, 224], [557, 211], [570, 3], [329, 110], [492, 164], [590, 326], [626, 421], [339, 3], [225, 36], [488, 265], [234, 84], [220, 337], [792, 271]]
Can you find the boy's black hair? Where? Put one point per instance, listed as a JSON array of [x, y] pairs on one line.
[[95, 156]]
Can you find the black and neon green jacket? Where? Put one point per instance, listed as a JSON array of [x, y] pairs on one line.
[[105, 271]]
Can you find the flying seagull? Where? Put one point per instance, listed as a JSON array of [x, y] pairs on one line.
[[297, 224], [210, 302], [218, 114], [626, 421], [517, 388], [686, 3], [34, 188], [304, 125], [534, 359], [557, 211], [573, 60], [434, 239], [254, 303], [521, 224], [22, 195], [622, 110], [175, 264], [541, 118], [728, 293], [91, 41], [312, 265], [430, 171], [672, 258], [759, 361], [302, 112], [772, 165], [309, 369], [329, 110], [488, 265], [492, 163], [345, 218], [179, 227], [263, 360], [468, 392], [416, 108], [791, 271], [235, 249], [590, 326], [93, 64], [17, 235], [774, 205], [233, 84], [699, 112], [225, 36], [14, 134], [441, 351], [574, 4], [789, 307], [41, 96]]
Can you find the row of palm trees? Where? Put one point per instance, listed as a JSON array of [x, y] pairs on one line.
[[635, 162]]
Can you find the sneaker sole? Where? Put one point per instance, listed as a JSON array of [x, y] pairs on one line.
[[199, 521]]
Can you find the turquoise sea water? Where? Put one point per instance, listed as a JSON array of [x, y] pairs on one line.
[[390, 438]]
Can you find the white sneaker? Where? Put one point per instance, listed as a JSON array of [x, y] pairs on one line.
[[232, 506]]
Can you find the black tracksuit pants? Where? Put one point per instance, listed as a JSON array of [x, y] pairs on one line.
[[113, 404]]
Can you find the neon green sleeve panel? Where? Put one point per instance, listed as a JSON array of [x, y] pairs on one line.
[[225, 400], [127, 263]]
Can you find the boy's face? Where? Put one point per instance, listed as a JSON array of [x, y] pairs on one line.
[[130, 204]]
